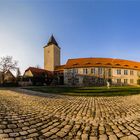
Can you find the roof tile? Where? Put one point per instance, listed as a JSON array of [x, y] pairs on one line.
[[103, 62]]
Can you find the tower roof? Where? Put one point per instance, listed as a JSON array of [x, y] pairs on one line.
[[52, 41]]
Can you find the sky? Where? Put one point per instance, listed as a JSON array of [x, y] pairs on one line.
[[82, 28]]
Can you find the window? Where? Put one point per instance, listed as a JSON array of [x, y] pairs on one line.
[[109, 72], [118, 81], [93, 71], [131, 81], [75, 70], [100, 80], [138, 73], [99, 71], [118, 71], [69, 70], [125, 81], [85, 71], [125, 72], [131, 72], [76, 80], [69, 80]]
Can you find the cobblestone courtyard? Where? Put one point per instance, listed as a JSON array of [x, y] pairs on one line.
[[24, 115]]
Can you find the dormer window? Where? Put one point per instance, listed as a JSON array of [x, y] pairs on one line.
[[88, 63], [135, 66], [126, 65], [108, 64], [98, 63], [75, 64], [117, 64]]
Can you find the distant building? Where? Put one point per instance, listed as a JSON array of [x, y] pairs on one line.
[[89, 71], [37, 76], [8, 77]]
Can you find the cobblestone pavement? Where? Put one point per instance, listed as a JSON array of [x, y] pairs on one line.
[[25, 116]]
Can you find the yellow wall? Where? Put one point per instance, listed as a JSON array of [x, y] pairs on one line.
[[51, 57], [28, 74]]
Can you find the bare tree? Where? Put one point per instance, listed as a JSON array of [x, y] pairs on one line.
[[7, 63]]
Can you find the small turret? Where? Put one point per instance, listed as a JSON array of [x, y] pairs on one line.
[[52, 41]]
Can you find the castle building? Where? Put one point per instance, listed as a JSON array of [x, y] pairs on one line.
[[89, 71], [97, 71]]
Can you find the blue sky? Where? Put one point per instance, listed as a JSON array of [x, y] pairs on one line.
[[83, 28]]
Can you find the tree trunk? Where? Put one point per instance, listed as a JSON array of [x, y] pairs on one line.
[[2, 78]]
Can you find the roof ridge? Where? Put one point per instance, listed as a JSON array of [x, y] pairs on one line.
[[82, 62], [103, 58], [36, 69]]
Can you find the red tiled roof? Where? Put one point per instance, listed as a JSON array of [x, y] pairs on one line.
[[59, 68], [102, 62], [38, 71]]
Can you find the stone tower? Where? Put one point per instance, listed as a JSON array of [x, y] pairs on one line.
[[51, 54]]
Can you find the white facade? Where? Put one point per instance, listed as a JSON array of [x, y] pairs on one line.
[[127, 76], [117, 76]]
